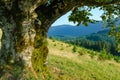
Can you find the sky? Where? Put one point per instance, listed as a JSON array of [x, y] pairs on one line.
[[64, 19]]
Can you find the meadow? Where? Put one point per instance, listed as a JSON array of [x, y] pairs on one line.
[[66, 64]]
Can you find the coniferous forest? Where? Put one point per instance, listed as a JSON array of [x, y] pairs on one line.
[[96, 41]]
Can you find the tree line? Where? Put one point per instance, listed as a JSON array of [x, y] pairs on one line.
[[96, 42]]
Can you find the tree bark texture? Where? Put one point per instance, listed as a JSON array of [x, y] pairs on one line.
[[24, 41]]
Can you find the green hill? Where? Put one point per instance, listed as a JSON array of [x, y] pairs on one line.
[[67, 64]]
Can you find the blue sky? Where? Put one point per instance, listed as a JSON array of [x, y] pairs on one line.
[[64, 19]]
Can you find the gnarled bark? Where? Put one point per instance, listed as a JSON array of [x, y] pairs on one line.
[[23, 43]]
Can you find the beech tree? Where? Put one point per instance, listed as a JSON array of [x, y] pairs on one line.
[[25, 23]]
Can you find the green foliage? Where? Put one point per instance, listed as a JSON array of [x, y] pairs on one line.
[[40, 53], [110, 16], [52, 38], [55, 44], [61, 48], [115, 31], [81, 16], [96, 43], [102, 0], [92, 54], [105, 55], [117, 59], [37, 60], [80, 53], [74, 48], [118, 47]]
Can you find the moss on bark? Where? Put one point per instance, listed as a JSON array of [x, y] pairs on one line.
[[40, 52]]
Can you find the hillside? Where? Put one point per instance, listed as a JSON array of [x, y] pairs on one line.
[[79, 65], [96, 41], [69, 31]]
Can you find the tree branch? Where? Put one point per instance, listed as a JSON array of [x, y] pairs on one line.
[[36, 4], [57, 8]]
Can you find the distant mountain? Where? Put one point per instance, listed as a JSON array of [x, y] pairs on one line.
[[74, 31]]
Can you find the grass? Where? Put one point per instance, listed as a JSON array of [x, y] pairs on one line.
[[84, 70], [66, 65]]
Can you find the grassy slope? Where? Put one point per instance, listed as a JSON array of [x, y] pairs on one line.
[[66, 65]]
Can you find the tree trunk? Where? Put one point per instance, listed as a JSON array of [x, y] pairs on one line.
[[24, 43]]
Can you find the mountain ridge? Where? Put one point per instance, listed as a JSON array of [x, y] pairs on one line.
[[74, 31]]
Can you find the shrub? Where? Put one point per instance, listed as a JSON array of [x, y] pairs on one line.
[[105, 56], [61, 48], [74, 48], [80, 53], [92, 54], [52, 38], [117, 59], [55, 44]]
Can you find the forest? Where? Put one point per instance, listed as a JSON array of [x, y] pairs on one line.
[[96, 42]]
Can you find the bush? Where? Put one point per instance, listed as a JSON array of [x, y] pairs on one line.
[[55, 44], [80, 53], [61, 48], [74, 48], [117, 59], [92, 54], [105, 56], [52, 38]]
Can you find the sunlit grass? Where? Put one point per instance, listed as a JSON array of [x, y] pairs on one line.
[[66, 65]]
